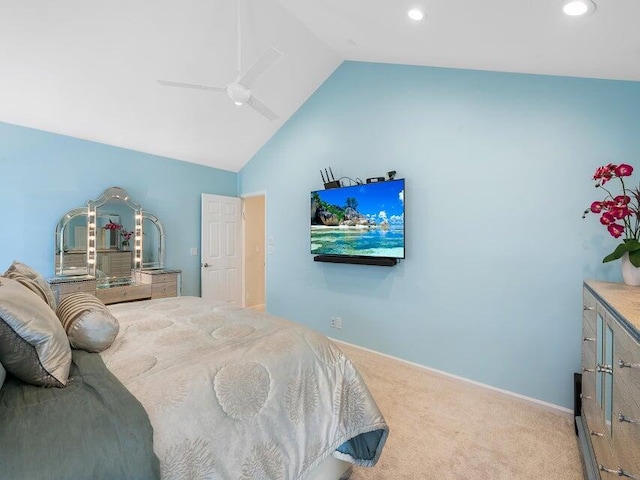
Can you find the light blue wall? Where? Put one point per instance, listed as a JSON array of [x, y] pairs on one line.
[[498, 171], [42, 175]]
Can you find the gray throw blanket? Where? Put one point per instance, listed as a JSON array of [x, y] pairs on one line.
[[91, 429]]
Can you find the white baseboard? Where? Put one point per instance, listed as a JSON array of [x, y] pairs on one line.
[[557, 409]]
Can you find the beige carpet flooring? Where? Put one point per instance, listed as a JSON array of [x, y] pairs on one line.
[[446, 429]]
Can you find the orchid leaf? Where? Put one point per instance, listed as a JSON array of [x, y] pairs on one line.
[[632, 245], [617, 253], [634, 257]]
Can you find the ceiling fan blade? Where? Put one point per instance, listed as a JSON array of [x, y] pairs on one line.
[[191, 85], [262, 108], [263, 62]]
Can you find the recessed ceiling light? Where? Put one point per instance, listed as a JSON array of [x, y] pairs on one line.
[[577, 8], [415, 14]]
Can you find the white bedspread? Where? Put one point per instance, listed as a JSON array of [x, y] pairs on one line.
[[237, 394]]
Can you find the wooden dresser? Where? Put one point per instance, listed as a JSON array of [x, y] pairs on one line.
[[609, 424]]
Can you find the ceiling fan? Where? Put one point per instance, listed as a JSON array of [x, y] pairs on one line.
[[239, 91]]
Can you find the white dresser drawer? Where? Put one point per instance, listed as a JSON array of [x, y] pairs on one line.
[[589, 309], [626, 401], [125, 293], [164, 290]]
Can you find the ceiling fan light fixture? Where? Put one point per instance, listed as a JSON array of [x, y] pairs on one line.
[[578, 8], [238, 93], [416, 14]]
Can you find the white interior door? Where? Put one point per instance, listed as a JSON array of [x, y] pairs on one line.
[[221, 248]]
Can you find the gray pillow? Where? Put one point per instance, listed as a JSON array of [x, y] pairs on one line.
[[33, 344], [3, 375], [89, 324], [33, 281]]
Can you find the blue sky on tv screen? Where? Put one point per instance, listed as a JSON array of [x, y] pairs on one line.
[[379, 201]]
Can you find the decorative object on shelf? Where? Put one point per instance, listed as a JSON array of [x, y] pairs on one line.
[[621, 215], [126, 238], [113, 229]]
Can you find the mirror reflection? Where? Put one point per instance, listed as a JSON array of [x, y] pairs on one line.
[[153, 242]]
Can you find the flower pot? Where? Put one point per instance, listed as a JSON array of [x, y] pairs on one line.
[[630, 273]]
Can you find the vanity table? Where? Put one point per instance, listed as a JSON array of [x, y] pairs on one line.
[[113, 249]]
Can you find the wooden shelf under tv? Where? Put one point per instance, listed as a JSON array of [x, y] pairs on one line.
[[356, 260]]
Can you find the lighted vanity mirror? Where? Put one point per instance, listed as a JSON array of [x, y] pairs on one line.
[[109, 238]]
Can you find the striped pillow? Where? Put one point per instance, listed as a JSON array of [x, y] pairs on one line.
[[89, 324]]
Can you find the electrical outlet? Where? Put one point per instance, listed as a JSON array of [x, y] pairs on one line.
[[336, 322]]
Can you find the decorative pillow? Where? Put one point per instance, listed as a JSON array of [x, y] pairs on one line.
[[33, 281], [3, 375], [89, 324], [33, 345]]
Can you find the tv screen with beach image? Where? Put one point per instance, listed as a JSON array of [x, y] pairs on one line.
[[362, 220]]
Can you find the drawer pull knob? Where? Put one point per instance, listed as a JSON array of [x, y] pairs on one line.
[[595, 434], [623, 364], [604, 368], [617, 471], [588, 339], [624, 418], [585, 308], [585, 369], [585, 397]]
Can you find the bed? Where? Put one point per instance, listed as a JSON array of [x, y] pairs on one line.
[[223, 393], [273, 398]]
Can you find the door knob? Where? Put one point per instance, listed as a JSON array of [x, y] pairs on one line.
[[205, 265]]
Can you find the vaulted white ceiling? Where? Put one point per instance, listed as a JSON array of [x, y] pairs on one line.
[[88, 69]]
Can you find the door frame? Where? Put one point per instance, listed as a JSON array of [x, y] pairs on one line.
[[258, 193]]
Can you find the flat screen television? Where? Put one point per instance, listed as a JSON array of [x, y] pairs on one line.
[[359, 221]]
